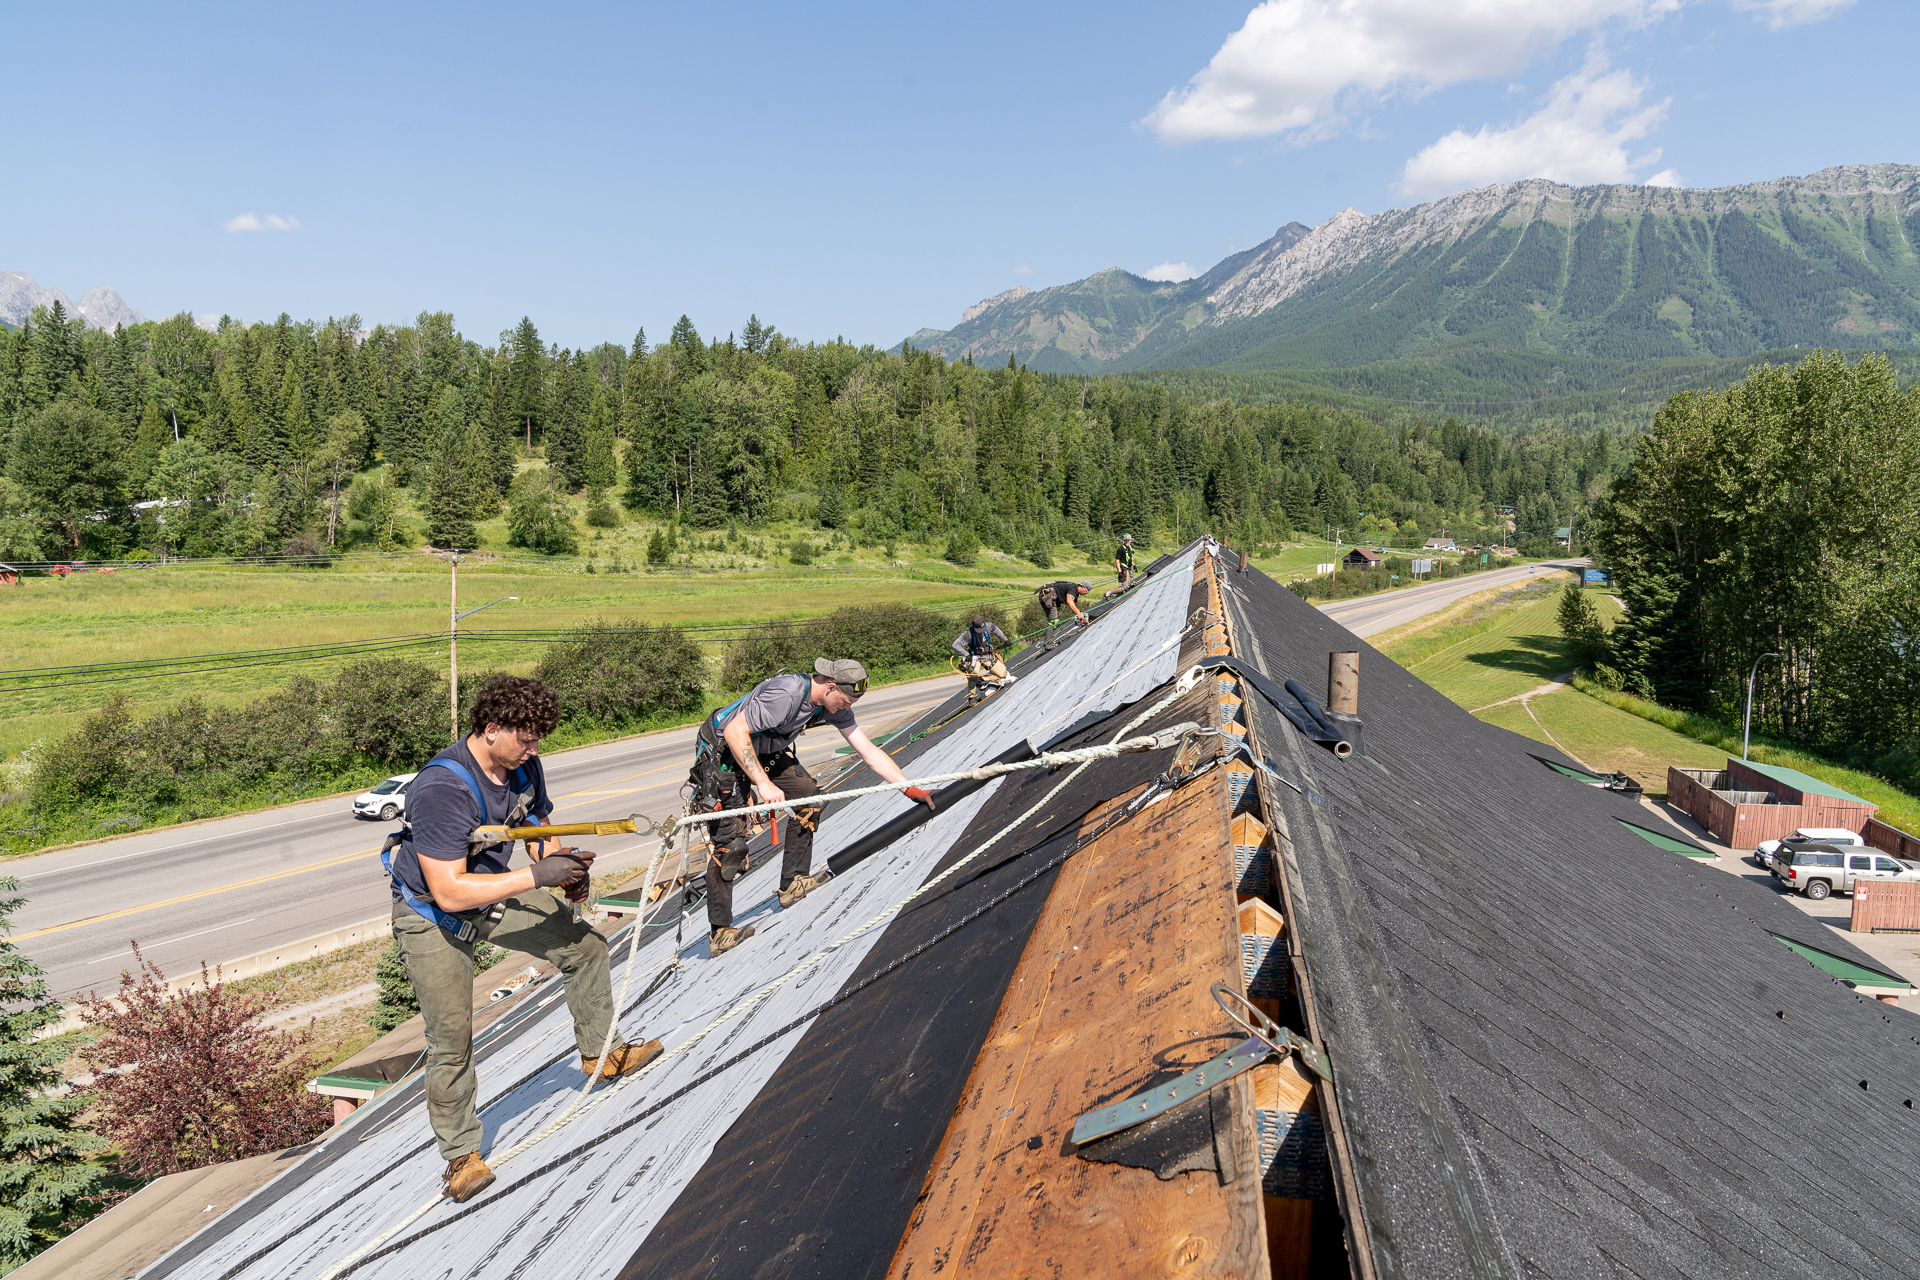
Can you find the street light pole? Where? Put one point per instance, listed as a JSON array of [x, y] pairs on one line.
[[1746, 733]]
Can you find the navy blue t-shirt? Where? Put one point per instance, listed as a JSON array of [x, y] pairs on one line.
[[441, 815]]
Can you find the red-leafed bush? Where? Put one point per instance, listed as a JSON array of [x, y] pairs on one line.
[[192, 1078]]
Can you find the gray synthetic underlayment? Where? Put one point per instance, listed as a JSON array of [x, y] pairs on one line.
[[587, 1219]]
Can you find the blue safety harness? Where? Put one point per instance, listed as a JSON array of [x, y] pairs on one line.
[[427, 908]]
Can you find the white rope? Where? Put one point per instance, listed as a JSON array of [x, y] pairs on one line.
[[980, 773], [1083, 757]]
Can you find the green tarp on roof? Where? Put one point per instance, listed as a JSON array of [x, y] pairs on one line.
[[1846, 970], [1669, 843], [1807, 784]]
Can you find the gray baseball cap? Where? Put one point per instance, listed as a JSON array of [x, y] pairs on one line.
[[845, 672], [1085, 585]]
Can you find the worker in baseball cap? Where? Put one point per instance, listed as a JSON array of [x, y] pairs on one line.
[[1055, 594], [750, 743]]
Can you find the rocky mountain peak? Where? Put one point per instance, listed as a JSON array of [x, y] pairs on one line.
[[102, 308]]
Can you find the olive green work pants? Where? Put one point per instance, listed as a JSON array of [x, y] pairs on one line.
[[440, 966]]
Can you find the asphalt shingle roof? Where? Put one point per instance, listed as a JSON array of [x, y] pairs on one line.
[[1560, 1050]]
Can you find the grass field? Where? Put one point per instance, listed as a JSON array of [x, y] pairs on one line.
[[1605, 738], [1503, 646], [156, 613]]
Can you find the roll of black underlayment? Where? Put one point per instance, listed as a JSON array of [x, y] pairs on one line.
[[887, 832]]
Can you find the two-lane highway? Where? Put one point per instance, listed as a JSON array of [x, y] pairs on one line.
[[238, 886], [1370, 615]]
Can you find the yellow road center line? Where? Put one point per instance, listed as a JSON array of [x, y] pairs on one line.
[[204, 893]]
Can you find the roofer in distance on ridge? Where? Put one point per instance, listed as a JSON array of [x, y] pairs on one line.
[[1123, 561], [1055, 594], [750, 742], [448, 892]]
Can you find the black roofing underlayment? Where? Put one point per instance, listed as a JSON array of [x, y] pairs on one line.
[[820, 1173], [1559, 1050]]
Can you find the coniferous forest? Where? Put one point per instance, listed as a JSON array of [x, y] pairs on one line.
[[311, 438]]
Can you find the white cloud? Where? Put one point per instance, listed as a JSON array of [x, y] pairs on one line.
[[254, 222], [1789, 13], [1023, 270], [1301, 67], [1170, 273], [1664, 178], [1578, 136]]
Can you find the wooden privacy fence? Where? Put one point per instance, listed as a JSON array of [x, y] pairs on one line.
[[1893, 905]]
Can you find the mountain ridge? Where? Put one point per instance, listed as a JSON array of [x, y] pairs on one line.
[[102, 308], [1609, 271]]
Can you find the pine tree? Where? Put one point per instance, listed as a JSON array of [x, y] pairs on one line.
[[1580, 625], [596, 463], [150, 437], [526, 379], [448, 477], [45, 1180], [396, 1001]]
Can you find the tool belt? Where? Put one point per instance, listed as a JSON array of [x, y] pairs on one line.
[[1047, 596]]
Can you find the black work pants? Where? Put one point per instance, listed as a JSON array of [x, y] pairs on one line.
[[795, 829]]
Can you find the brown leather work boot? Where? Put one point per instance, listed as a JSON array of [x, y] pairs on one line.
[[465, 1178], [625, 1060], [800, 888], [724, 940]]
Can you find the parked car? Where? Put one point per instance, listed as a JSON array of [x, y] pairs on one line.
[[1821, 869], [1839, 836], [386, 801]]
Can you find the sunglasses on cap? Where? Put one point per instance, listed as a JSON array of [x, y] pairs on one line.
[[853, 690]]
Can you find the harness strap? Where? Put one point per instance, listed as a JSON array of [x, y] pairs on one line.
[[427, 908]]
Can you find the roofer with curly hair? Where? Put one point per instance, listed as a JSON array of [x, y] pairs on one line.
[[447, 892]]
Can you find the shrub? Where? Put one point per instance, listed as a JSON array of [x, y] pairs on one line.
[[600, 512], [962, 548], [802, 552], [657, 547], [613, 673], [539, 516], [192, 1078], [391, 710], [1039, 552]]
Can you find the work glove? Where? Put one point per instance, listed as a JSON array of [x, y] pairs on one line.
[[559, 870], [920, 795]]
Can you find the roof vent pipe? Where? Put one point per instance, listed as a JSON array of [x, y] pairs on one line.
[[1343, 682]]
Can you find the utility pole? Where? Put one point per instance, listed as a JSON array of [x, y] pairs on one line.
[[453, 648], [1746, 732]]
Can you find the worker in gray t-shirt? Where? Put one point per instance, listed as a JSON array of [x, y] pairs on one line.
[[750, 742]]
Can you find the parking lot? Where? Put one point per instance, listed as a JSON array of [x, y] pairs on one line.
[[1896, 952]]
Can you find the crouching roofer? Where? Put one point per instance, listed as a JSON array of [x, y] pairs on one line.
[[1055, 594], [448, 892], [974, 648], [750, 742]]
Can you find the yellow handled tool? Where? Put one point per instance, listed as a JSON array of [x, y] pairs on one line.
[[636, 825]]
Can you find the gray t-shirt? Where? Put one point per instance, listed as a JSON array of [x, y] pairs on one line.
[[441, 814], [778, 711]]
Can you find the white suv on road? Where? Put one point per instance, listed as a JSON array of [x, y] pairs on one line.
[[386, 801], [1838, 836]]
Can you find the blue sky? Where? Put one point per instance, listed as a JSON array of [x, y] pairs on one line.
[[854, 170]]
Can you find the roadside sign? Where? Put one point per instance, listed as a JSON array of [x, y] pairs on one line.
[[1595, 577], [1423, 566], [1325, 568]]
